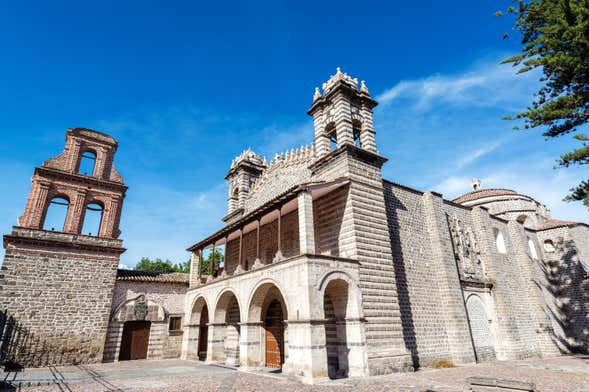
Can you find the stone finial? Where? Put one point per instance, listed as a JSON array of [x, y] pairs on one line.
[[476, 184], [317, 94], [363, 88]]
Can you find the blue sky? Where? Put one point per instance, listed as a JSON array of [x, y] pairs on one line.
[[186, 86]]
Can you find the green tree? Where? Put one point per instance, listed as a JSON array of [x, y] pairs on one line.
[[555, 39], [218, 258], [158, 265]]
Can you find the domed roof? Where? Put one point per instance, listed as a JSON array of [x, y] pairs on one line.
[[485, 193]]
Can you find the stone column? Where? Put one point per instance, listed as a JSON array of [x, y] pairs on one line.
[[306, 227], [449, 294], [250, 354], [367, 134], [355, 354], [216, 339], [76, 214], [307, 355], [195, 263], [278, 255], [321, 139], [36, 206]]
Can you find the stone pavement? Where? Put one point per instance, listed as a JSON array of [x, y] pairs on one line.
[[550, 375]]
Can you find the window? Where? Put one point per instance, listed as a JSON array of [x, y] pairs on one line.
[[500, 241], [357, 129], [532, 247], [87, 163], [56, 214], [549, 246], [175, 323], [522, 219], [92, 219]]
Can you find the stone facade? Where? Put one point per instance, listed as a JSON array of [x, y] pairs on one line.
[[328, 269], [465, 280]]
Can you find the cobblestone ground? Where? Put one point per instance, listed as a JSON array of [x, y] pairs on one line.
[[549, 375]]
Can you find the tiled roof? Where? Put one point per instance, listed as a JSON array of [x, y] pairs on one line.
[[482, 193], [555, 223], [155, 277]]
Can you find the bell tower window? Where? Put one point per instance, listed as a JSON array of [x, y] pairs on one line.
[[87, 163], [56, 214], [92, 219]]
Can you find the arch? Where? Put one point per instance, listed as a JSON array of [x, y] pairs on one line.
[[549, 246], [256, 299], [354, 308], [499, 241], [139, 308], [532, 248], [480, 328], [87, 162], [56, 213], [266, 313], [336, 298], [521, 218], [356, 132], [227, 328], [93, 216], [199, 328], [221, 304]]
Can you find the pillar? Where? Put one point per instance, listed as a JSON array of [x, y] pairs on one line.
[[306, 227]]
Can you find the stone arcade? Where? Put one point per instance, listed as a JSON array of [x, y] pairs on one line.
[[328, 271]]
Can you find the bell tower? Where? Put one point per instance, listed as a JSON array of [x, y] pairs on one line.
[[59, 271], [343, 115], [245, 170]]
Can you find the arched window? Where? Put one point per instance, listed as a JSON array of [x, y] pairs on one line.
[[56, 214], [357, 129], [499, 241], [87, 163], [92, 219], [532, 247], [549, 246]]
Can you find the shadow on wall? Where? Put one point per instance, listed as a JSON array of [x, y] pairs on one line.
[[568, 283], [20, 348], [392, 206]]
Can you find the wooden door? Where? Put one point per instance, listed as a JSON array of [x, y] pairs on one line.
[[274, 329], [135, 340]]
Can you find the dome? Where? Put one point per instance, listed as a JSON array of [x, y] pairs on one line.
[[485, 195]]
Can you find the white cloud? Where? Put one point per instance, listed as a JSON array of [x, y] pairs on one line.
[[478, 153], [486, 84]]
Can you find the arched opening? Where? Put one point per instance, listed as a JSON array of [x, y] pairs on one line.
[[56, 214], [521, 219], [87, 163], [227, 319], [357, 130], [199, 330], [331, 135], [499, 241], [480, 329], [532, 247], [135, 340], [92, 219], [267, 307], [549, 246], [335, 306]]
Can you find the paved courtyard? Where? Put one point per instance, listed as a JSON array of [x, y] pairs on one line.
[[555, 374]]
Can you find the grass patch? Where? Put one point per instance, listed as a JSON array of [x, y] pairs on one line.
[[441, 364]]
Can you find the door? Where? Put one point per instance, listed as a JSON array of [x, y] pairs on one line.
[[274, 336], [135, 340]]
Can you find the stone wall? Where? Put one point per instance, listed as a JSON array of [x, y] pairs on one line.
[[61, 295]]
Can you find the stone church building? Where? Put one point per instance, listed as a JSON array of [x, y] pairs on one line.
[[328, 270]]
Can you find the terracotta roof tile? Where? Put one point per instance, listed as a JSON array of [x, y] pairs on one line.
[[482, 193], [555, 223], [155, 277]]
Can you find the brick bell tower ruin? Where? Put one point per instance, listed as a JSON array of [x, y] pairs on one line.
[[57, 282]]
